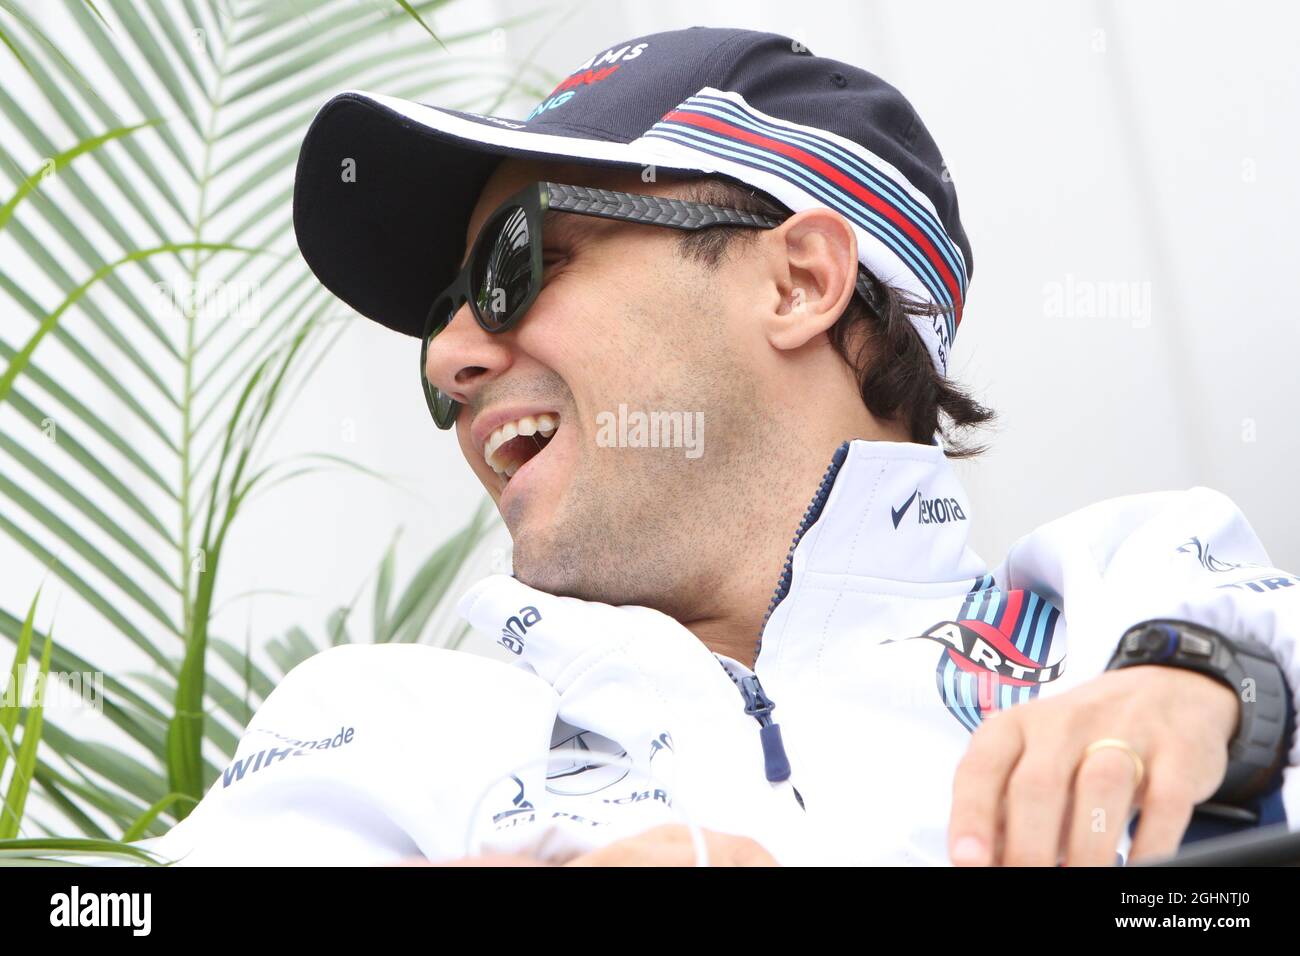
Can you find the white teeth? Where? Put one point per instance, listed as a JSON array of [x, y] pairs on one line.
[[499, 438], [543, 425]]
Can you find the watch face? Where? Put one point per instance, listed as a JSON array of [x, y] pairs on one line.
[[1152, 643]]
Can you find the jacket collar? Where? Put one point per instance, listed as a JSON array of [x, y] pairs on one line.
[[889, 511], [895, 510]]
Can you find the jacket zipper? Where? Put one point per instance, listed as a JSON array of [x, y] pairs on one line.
[[776, 765]]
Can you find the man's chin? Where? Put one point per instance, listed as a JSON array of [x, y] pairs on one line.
[[536, 561], [553, 571], [544, 579], [564, 577]]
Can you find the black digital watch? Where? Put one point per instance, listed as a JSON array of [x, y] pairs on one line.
[[1259, 746]]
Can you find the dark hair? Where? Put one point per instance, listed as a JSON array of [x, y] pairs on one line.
[[896, 376]]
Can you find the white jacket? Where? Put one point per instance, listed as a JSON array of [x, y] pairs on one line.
[[886, 641]]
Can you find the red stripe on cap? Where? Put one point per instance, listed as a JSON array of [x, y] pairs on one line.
[[844, 182]]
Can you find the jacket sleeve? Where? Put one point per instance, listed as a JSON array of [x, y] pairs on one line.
[[1188, 554], [369, 754]]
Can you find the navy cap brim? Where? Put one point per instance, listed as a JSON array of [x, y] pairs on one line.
[[385, 187]]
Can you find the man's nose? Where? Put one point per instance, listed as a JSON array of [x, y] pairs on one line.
[[462, 358]]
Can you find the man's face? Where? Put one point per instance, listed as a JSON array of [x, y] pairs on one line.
[[622, 319]]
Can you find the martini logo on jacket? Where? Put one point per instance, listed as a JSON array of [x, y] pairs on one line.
[[995, 652]]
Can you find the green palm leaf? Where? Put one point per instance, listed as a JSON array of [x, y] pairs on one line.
[[25, 759], [138, 426], [53, 165]]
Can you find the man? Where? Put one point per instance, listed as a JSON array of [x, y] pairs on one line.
[[702, 297]]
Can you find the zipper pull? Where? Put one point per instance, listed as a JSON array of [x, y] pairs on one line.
[[758, 705]]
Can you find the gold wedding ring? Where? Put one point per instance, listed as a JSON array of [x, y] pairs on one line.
[[1118, 744]]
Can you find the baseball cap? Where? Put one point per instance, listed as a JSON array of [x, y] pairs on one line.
[[385, 186]]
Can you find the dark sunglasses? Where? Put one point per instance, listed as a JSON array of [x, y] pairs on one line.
[[503, 274]]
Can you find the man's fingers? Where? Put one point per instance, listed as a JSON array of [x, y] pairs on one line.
[[977, 790], [1167, 806], [1036, 798], [1104, 788], [671, 845], [488, 859], [747, 852]]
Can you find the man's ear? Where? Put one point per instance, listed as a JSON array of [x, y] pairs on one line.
[[816, 263]]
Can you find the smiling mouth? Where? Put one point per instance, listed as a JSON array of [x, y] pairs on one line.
[[515, 443]]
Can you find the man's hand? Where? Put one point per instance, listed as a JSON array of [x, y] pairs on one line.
[[1024, 794], [487, 859], [671, 845]]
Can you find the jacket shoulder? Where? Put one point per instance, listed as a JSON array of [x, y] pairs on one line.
[[374, 677], [1154, 524]]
